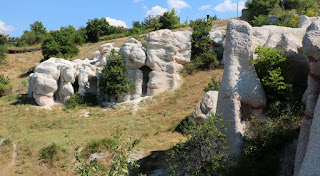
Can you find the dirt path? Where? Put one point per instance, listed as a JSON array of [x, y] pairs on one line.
[[8, 169]]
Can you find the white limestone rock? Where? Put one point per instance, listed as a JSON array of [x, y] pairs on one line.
[[206, 107], [240, 88], [217, 37]]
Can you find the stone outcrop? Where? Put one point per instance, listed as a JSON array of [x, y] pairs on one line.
[[307, 156], [154, 68], [241, 93], [206, 107]]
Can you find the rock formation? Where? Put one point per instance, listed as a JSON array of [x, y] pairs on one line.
[[206, 107], [307, 157], [241, 93], [154, 68]]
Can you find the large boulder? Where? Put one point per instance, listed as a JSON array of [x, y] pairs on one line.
[[308, 131], [241, 93], [167, 52], [206, 107]]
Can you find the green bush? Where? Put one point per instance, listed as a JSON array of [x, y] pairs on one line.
[[264, 142], [213, 85], [114, 81], [260, 7], [120, 162], [61, 43], [302, 6], [151, 22], [97, 28], [270, 67], [76, 100], [260, 20], [200, 40], [205, 61], [169, 19], [97, 145], [204, 153], [294, 22], [3, 54], [36, 35], [5, 85], [50, 153]]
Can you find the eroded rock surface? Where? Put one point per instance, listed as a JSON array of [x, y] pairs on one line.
[[206, 107]]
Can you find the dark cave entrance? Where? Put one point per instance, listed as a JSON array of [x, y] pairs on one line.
[[145, 70]]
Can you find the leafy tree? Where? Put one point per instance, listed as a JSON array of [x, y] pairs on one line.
[[38, 27], [200, 39], [169, 19], [114, 80], [96, 28], [136, 24], [151, 22], [61, 43], [260, 7], [302, 6], [204, 153]]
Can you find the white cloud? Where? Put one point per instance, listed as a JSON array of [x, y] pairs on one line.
[[137, 1], [145, 7], [204, 7], [114, 22], [177, 4], [227, 5], [4, 28], [156, 10]]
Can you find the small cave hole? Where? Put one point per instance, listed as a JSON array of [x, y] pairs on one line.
[[145, 70]]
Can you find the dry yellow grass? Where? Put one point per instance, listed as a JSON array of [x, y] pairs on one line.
[[32, 128]]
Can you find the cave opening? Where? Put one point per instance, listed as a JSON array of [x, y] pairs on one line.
[[145, 71]]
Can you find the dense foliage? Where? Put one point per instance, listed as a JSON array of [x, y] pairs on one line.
[[62, 43], [5, 85], [270, 67], [259, 11], [204, 151], [76, 100], [213, 85], [202, 58], [97, 28], [169, 19], [114, 81], [3, 52]]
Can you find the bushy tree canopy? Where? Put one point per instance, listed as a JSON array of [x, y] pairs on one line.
[[38, 27], [260, 7], [61, 43], [114, 80], [169, 19]]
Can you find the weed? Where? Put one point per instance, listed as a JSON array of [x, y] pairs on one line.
[[213, 85], [50, 153], [97, 145]]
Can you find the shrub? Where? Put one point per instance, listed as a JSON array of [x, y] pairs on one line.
[[264, 141], [169, 19], [136, 24], [204, 151], [97, 28], [213, 85], [50, 153], [61, 43], [302, 6], [151, 22], [270, 68], [88, 99], [294, 22], [200, 40], [260, 7], [5, 85], [96, 145], [112, 36], [38, 27], [114, 81], [120, 163], [3, 55], [36, 35], [205, 61], [260, 20]]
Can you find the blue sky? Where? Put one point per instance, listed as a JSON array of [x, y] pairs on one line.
[[17, 15]]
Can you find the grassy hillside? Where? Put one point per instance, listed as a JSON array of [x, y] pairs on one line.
[[25, 129]]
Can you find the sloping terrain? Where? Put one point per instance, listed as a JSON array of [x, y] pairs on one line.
[[28, 128]]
